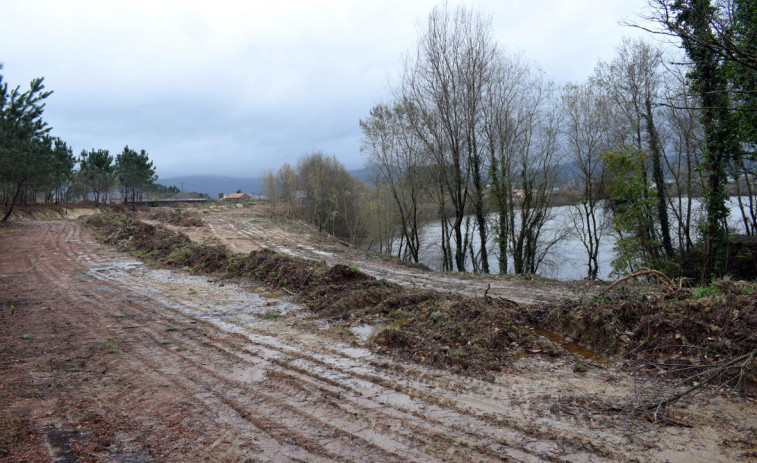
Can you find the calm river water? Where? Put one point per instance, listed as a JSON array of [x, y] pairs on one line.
[[566, 260]]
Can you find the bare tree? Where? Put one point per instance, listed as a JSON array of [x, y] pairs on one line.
[[326, 195], [395, 152], [745, 176], [684, 139], [271, 190], [632, 80], [587, 120], [444, 84], [503, 134], [535, 164]]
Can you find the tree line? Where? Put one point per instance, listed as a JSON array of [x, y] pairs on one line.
[[634, 145], [36, 166], [319, 190], [648, 149]]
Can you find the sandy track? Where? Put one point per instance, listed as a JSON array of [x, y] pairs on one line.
[[202, 375], [251, 228]]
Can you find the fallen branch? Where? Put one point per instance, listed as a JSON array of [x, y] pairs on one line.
[[661, 278], [717, 372]]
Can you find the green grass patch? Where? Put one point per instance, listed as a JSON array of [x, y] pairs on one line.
[[705, 291], [111, 345]]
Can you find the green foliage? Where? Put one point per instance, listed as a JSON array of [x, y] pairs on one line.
[[709, 82], [179, 256], [705, 291], [632, 204], [29, 157], [162, 189], [96, 172], [135, 173]]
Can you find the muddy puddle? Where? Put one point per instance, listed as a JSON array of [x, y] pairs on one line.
[[364, 332], [582, 352]]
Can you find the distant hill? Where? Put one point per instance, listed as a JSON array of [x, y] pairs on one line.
[[214, 184], [365, 174]]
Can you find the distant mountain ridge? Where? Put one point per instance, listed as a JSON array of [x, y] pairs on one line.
[[214, 184]]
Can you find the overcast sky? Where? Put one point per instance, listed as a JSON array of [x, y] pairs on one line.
[[235, 88]]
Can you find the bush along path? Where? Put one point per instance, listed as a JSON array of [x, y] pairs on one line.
[[699, 336]]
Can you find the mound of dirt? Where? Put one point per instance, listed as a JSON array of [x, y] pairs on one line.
[[280, 270], [178, 217], [157, 245], [467, 334], [704, 326]]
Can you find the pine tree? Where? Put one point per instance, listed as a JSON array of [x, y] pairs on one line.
[[24, 151]]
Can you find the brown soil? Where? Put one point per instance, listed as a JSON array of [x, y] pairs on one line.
[[178, 217], [664, 324], [441, 329], [105, 359]]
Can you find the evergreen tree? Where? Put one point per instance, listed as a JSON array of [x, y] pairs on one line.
[[96, 172], [62, 162], [135, 173], [24, 151]]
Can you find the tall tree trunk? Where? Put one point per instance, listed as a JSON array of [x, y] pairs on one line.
[[13, 203], [478, 204], [662, 209]]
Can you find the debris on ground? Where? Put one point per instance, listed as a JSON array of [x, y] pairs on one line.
[[464, 333], [178, 217], [684, 327]]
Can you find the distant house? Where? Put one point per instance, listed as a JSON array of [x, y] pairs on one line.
[[238, 197]]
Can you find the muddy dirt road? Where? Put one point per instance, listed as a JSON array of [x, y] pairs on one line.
[[103, 359], [250, 228]]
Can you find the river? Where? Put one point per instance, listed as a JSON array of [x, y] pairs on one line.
[[566, 260]]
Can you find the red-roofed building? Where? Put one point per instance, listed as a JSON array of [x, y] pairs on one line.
[[238, 197]]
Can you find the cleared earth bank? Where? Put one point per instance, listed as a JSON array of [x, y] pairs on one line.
[[243, 338]]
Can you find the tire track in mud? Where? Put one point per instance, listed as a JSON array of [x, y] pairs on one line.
[[204, 387], [374, 379], [236, 404], [229, 231], [307, 386], [322, 368], [379, 380]]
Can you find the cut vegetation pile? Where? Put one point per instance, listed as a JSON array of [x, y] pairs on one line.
[[178, 217], [700, 326], [467, 334], [711, 327], [157, 245]]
